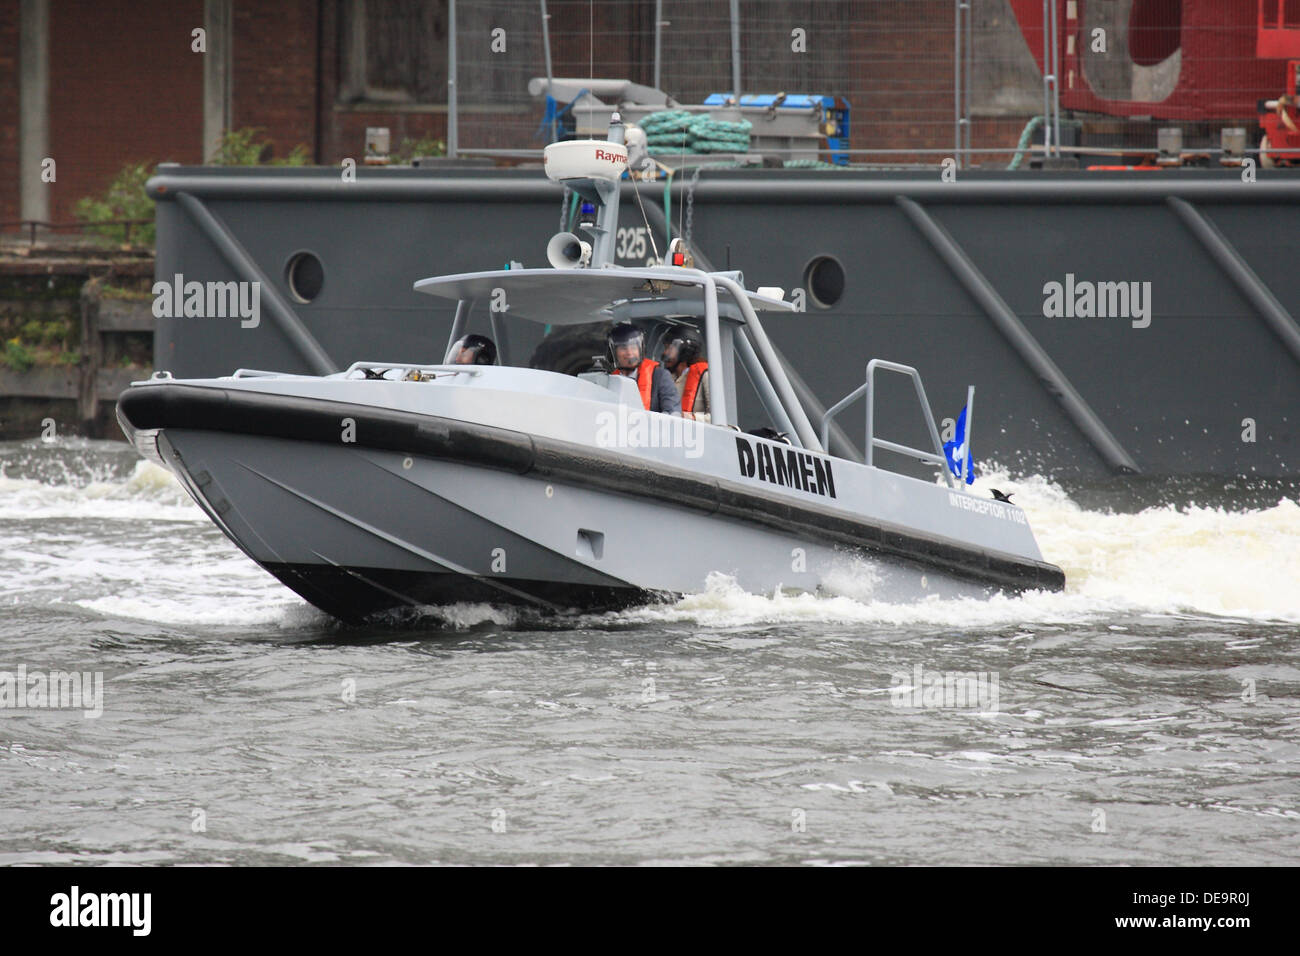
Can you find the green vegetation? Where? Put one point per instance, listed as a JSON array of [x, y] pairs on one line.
[[409, 149], [111, 291], [51, 333], [39, 339], [41, 330], [17, 356], [245, 147], [40, 319], [125, 198]]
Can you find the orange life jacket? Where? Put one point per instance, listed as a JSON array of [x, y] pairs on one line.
[[645, 374], [693, 376]]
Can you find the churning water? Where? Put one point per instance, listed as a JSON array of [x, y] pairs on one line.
[[1147, 715]]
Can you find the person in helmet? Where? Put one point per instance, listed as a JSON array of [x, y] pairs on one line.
[[683, 356], [472, 350], [627, 351]]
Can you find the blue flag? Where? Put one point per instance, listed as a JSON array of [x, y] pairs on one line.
[[957, 451]]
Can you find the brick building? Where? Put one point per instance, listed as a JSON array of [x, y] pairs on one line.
[[96, 84]]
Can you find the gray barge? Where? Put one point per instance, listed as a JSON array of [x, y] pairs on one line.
[[1115, 323]]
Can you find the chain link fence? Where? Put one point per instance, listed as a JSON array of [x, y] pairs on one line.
[[1126, 68]]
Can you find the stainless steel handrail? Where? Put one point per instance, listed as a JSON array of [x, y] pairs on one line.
[[868, 388]]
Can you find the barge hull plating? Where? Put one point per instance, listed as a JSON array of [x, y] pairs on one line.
[[961, 280]]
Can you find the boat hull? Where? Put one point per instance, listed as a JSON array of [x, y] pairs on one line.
[[429, 510]]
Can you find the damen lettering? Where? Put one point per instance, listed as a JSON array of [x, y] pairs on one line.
[[787, 467]]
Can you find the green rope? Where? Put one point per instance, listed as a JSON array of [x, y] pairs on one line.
[[1025, 137], [573, 212], [683, 132], [810, 164]]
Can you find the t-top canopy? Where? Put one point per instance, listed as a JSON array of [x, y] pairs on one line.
[[575, 296]]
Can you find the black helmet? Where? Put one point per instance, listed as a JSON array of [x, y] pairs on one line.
[[688, 343], [625, 333], [477, 349]]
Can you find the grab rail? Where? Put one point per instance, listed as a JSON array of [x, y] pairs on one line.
[[868, 388]]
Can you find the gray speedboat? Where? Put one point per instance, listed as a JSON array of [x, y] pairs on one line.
[[394, 483]]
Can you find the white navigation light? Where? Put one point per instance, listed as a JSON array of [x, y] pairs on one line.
[[585, 159]]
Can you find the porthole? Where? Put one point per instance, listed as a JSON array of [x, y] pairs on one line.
[[305, 275], [824, 280]]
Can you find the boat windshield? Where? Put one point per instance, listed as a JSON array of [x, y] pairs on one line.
[[567, 313]]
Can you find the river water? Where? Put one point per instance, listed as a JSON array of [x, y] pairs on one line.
[[1148, 715]]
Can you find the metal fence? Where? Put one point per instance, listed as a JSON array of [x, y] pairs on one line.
[[926, 79]]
